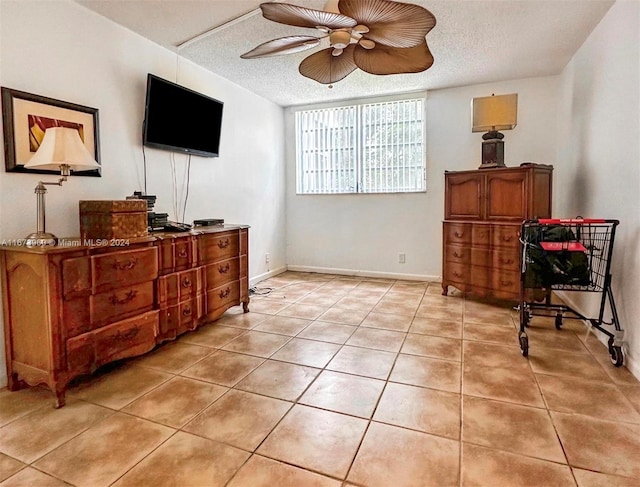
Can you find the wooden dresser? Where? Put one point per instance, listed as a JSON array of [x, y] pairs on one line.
[[71, 308], [484, 209]]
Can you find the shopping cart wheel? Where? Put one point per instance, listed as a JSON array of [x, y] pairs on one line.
[[524, 345], [559, 321], [615, 354]]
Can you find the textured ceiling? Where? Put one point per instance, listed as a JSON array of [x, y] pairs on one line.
[[474, 41]]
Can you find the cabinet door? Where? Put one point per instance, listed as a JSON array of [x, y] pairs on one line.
[[463, 196], [506, 195]]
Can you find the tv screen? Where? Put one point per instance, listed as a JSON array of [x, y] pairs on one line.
[[181, 120]]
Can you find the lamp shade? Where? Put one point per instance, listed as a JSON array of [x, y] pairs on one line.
[[494, 113], [62, 146]]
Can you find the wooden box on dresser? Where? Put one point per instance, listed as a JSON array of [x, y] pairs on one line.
[[484, 209], [71, 308]]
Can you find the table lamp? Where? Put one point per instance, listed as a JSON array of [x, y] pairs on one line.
[[61, 150], [491, 114]]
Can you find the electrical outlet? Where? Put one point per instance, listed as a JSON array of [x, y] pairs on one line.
[[266, 258], [402, 258]]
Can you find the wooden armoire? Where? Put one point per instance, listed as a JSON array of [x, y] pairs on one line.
[[484, 210]]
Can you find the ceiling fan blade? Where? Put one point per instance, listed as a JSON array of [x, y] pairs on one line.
[[326, 68], [394, 24], [283, 45], [393, 60], [285, 13]]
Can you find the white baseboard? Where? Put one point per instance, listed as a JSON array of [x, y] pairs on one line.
[[630, 362], [357, 273], [256, 279], [3, 379]]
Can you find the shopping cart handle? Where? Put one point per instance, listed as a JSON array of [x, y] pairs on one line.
[[560, 221]]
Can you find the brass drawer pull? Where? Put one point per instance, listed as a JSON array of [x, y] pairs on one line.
[[223, 244], [186, 282], [506, 283], [186, 312], [455, 254], [507, 238], [127, 335], [130, 296], [458, 275], [458, 234], [225, 293], [183, 254], [125, 266], [224, 269], [506, 261]]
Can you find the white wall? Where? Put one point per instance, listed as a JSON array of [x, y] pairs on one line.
[[365, 233], [599, 149], [63, 51]]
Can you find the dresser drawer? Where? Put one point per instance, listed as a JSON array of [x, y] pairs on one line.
[[221, 272], [117, 269], [218, 246], [176, 253], [121, 303], [481, 276], [457, 273], [481, 257], [179, 286], [481, 235], [506, 281], [180, 318], [457, 233], [507, 260], [505, 236], [222, 296], [457, 253], [119, 340]]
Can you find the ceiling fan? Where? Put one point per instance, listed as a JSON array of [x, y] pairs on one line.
[[378, 36]]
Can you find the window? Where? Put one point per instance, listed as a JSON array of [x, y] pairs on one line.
[[368, 148]]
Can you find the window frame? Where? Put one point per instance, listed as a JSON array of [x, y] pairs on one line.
[[359, 162]]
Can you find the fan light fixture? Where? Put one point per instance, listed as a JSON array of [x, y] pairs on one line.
[[378, 36]]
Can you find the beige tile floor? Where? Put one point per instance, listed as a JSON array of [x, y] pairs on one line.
[[336, 381]]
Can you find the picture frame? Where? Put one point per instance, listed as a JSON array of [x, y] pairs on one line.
[[26, 117]]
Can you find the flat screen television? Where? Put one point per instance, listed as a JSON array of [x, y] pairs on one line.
[[181, 120]]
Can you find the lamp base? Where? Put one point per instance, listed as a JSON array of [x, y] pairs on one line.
[[41, 239], [492, 154]]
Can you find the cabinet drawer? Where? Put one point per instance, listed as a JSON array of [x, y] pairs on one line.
[[457, 233], [179, 286], [121, 303], [222, 296], [481, 235], [456, 273], [180, 318], [481, 276], [457, 253], [505, 236], [119, 340], [507, 260], [117, 269], [481, 257], [506, 281], [218, 246], [221, 272]]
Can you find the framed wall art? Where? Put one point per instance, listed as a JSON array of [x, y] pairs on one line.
[[26, 117]]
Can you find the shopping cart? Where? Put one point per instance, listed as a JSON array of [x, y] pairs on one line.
[[568, 255]]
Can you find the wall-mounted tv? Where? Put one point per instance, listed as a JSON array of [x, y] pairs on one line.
[[181, 120]]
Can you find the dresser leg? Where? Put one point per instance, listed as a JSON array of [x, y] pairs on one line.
[[15, 384], [60, 399], [245, 306], [445, 289]]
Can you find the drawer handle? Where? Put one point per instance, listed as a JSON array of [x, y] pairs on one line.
[[225, 293], [507, 238], [130, 296], [459, 234], [125, 266], [223, 244], [224, 269], [506, 283], [182, 253], [458, 275], [186, 311], [127, 335], [459, 256], [506, 261], [186, 282]]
